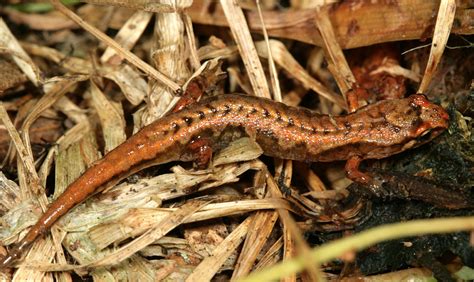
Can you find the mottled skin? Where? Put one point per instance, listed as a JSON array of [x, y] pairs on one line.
[[375, 131]]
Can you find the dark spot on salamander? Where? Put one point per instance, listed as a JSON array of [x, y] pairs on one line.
[[313, 130], [301, 144], [348, 125], [373, 125], [385, 124], [266, 113], [165, 132], [291, 122], [213, 109], [227, 110], [201, 114], [395, 129], [416, 108], [240, 108], [175, 127], [373, 114], [188, 120], [278, 116], [252, 111], [267, 133], [299, 147], [417, 122], [326, 130]]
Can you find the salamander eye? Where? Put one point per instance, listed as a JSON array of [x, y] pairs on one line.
[[415, 107]]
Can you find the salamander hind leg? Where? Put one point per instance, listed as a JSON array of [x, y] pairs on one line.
[[355, 95], [200, 151], [353, 172]]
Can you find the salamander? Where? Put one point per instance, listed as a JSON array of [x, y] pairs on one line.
[[375, 131]]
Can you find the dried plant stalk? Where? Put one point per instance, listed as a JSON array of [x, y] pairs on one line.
[[129, 56], [156, 6], [210, 265], [444, 22], [9, 44], [241, 34], [256, 238], [127, 36], [336, 60]]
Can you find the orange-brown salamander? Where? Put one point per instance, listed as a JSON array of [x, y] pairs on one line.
[[372, 132]]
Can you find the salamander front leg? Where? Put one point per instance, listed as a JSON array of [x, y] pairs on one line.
[[201, 152], [192, 95], [355, 95], [353, 172], [203, 83]]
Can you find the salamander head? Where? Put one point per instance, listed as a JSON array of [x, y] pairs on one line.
[[421, 119], [407, 123], [434, 119]]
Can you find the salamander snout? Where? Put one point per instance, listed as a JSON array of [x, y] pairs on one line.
[[433, 119]]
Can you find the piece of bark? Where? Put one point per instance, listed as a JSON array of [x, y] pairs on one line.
[[386, 185], [356, 24]]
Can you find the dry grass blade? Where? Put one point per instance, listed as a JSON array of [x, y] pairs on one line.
[[9, 194], [111, 118], [56, 91], [444, 22], [42, 250], [336, 60], [397, 70], [73, 64], [194, 58], [157, 6], [159, 230], [210, 265], [127, 36], [272, 256], [77, 145], [9, 43], [131, 82], [119, 222], [286, 61], [24, 157], [275, 83], [74, 134], [167, 53], [129, 56], [293, 239], [263, 223], [226, 209], [243, 38], [243, 149]]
